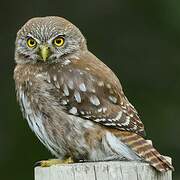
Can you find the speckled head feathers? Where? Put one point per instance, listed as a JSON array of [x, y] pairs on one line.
[[44, 30]]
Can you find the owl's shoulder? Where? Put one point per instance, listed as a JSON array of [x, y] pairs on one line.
[[87, 62]]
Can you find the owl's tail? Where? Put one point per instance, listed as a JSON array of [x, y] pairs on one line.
[[146, 151]]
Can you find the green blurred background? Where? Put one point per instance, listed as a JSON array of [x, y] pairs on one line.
[[139, 40]]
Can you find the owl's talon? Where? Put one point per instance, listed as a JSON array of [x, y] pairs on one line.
[[50, 162]]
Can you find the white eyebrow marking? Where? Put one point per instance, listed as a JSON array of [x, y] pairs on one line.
[[37, 40], [54, 37]]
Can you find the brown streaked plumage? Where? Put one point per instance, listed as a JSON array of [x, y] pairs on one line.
[[72, 101]]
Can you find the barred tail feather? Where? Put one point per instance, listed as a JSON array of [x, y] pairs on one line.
[[146, 151]]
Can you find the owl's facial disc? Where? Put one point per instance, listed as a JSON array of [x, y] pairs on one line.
[[48, 39]]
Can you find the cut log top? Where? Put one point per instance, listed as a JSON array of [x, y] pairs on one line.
[[112, 170]]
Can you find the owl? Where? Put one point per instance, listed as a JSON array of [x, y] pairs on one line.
[[72, 101]]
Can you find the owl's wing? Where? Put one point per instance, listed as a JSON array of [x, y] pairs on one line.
[[89, 89]]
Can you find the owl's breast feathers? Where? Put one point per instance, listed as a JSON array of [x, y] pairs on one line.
[[85, 87]]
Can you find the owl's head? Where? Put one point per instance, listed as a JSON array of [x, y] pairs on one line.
[[47, 39]]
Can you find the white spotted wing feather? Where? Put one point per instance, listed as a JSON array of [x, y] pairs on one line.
[[91, 95]]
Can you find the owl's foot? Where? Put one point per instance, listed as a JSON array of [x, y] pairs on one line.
[[50, 162]]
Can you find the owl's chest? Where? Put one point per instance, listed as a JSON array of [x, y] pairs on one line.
[[33, 106]]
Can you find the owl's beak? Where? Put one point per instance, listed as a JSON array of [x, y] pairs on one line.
[[44, 52]]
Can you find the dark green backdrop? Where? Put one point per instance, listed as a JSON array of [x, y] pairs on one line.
[[139, 40]]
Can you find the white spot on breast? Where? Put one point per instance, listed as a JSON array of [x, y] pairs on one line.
[[66, 91], [82, 87], [94, 100], [73, 110], [113, 99], [77, 96]]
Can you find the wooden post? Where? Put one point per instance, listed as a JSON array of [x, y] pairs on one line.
[[112, 170]]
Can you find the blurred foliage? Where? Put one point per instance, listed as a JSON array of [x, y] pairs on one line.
[[139, 40]]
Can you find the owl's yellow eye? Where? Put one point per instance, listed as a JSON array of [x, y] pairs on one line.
[[31, 42], [59, 41]]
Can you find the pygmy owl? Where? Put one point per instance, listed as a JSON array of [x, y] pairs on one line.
[[72, 101]]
